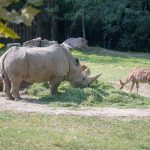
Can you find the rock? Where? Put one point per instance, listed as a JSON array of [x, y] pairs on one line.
[[38, 42], [34, 42], [13, 44], [79, 43], [45, 43]]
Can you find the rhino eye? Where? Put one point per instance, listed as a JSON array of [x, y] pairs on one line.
[[76, 61], [83, 78]]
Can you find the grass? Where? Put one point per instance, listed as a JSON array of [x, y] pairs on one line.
[[35, 131], [99, 94], [114, 66]]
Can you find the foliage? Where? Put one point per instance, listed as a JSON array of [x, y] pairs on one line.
[[7, 32], [115, 24], [126, 25], [2, 45], [25, 15], [11, 15]]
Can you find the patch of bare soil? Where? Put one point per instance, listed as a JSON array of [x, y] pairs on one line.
[[31, 105]]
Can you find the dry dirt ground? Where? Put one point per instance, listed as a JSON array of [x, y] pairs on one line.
[[31, 105]]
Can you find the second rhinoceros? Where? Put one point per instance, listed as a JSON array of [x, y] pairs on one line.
[[35, 64]]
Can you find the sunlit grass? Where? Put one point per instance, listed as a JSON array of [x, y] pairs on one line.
[[34, 131], [113, 65], [99, 94]]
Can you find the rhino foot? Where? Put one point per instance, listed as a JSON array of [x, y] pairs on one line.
[[9, 98], [17, 98]]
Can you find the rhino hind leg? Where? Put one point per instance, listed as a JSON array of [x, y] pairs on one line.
[[15, 87], [7, 87]]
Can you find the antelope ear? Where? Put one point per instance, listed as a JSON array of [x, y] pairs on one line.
[[87, 71]]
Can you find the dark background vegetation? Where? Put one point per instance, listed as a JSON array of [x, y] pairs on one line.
[[114, 24]]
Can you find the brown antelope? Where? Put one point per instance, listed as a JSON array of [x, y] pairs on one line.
[[85, 68], [137, 76]]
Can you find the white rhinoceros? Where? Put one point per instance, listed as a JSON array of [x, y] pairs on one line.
[[37, 64]]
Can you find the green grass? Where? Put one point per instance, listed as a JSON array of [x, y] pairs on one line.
[[35, 131], [114, 66], [99, 94]]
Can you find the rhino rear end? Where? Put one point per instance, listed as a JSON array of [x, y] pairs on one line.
[[15, 67]]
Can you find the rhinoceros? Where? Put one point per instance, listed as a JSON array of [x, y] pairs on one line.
[[39, 64]]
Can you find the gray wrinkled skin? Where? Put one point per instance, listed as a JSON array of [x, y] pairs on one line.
[[36, 64]]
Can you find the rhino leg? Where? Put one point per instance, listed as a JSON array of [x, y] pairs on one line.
[[15, 87], [54, 85], [6, 87]]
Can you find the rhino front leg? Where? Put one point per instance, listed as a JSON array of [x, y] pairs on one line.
[[7, 87], [15, 87], [54, 85]]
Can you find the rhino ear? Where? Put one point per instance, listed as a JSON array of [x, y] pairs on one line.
[[76, 61]]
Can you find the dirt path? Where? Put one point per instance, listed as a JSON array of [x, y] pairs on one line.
[[30, 105]]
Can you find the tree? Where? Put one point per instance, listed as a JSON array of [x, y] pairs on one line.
[[82, 11], [10, 15], [126, 25]]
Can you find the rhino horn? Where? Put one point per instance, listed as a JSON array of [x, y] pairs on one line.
[[92, 79], [87, 71]]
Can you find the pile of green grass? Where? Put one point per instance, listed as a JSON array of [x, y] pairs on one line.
[[99, 94]]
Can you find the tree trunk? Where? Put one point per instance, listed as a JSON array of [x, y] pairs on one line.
[[54, 25], [83, 27]]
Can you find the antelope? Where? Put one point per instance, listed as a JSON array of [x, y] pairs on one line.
[[85, 68], [137, 76]]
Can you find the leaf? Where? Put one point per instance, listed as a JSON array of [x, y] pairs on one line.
[[2, 45], [3, 14], [28, 14], [6, 3], [36, 3], [7, 32], [12, 16]]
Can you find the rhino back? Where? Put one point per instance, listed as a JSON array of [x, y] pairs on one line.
[[45, 63]]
